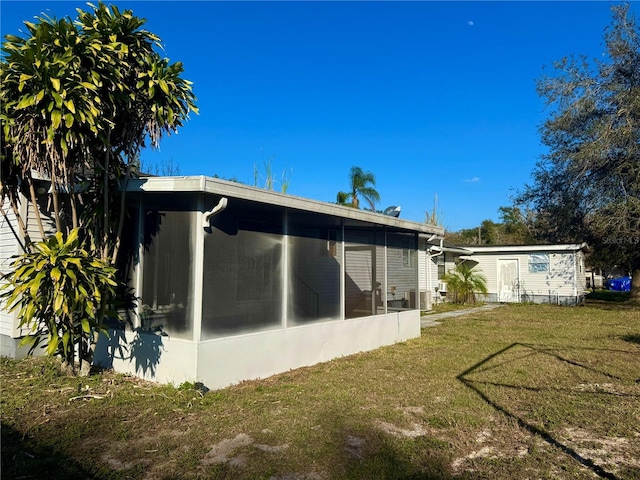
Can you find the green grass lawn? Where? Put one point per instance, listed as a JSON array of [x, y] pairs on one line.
[[522, 391]]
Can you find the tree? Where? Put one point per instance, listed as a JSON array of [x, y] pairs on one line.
[[362, 184], [165, 168], [587, 187], [512, 230], [79, 100], [463, 283], [514, 226]]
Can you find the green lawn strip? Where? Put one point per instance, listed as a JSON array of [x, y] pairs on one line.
[[537, 391]]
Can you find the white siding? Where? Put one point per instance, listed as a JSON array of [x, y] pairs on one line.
[[402, 278], [11, 239], [559, 281], [423, 271], [9, 246]]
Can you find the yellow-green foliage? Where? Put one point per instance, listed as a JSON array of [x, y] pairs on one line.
[[463, 283], [62, 293]]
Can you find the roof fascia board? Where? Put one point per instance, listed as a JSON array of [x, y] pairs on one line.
[[570, 247], [237, 190]]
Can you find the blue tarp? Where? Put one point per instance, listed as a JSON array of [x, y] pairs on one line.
[[620, 284]]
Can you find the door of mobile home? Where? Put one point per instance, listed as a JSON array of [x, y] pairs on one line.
[[508, 280]]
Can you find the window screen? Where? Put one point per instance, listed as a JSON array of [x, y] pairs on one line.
[[364, 272], [315, 253], [167, 290], [242, 284], [402, 273]]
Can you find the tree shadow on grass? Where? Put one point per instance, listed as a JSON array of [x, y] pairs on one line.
[[608, 296], [25, 457], [367, 452], [631, 338], [476, 387], [609, 300]]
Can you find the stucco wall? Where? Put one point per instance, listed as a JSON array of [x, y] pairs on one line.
[[226, 361]]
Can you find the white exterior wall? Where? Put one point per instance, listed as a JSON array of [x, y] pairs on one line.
[[148, 355], [11, 239], [9, 246], [562, 280], [427, 272], [423, 270], [226, 361], [402, 278]]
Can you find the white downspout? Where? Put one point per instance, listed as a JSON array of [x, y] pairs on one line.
[[222, 204], [431, 255]]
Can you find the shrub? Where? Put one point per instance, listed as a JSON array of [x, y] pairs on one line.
[[63, 293], [463, 283]]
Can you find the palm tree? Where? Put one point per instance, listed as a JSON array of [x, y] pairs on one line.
[[463, 283], [362, 184]]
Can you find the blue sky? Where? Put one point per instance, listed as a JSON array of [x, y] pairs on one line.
[[434, 98]]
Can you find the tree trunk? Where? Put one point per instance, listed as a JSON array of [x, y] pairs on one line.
[[105, 200], [86, 360], [635, 282], [56, 202], [73, 201], [21, 224], [118, 238], [36, 209]]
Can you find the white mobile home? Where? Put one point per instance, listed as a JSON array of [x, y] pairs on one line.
[[528, 273], [236, 283]]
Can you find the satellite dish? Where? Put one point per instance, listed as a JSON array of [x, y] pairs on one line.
[[392, 211]]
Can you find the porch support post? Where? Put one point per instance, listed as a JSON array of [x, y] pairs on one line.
[[198, 271], [139, 267], [284, 297], [343, 272], [416, 254], [385, 283]]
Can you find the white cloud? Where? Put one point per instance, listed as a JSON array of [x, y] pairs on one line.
[[472, 180]]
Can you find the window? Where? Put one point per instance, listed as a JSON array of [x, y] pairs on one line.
[[441, 265], [538, 262], [408, 258]]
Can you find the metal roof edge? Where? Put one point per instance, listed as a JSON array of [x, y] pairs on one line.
[[566, 247], [216, 186]]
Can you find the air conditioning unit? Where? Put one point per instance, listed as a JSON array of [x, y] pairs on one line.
[[442, 287], [425, 300]]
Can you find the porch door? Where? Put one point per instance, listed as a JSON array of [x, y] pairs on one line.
[[508, 280], [360, 281]]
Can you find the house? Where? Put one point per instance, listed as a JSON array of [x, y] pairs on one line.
[[11, 244], [237, 283], [525, 273]]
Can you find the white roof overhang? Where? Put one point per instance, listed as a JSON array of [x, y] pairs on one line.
[[226, 188]]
